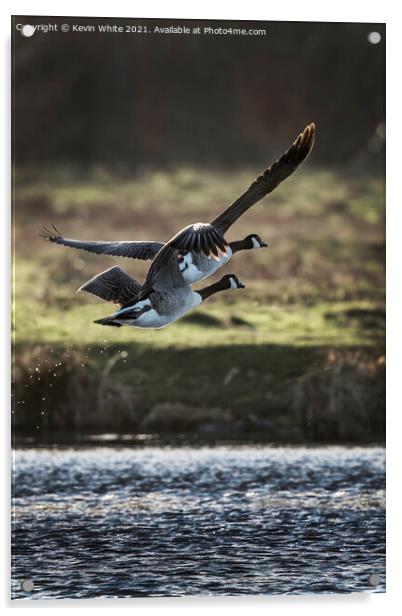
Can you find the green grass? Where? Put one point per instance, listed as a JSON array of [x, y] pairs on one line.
[[242, 322], [318, 289], [310, 193]]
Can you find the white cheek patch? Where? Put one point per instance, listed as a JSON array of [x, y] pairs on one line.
[[255, 243], [233, 284]]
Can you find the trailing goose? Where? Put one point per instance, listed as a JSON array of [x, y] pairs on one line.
[[165, 296], [202, 247]]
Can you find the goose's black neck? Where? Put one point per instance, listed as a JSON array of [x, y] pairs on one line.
[[239, 245], [212, 289]]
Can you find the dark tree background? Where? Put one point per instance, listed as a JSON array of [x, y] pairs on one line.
[[135, 100]]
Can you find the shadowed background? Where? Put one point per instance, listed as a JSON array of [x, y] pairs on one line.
[[133, 136]]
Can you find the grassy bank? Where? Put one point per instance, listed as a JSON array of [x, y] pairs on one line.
[[277, 392], [296, 356]]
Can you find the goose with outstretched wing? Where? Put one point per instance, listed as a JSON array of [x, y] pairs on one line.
[[202, 247], [164, 297]]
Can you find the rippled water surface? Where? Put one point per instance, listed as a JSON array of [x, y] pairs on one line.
[[158, 521]]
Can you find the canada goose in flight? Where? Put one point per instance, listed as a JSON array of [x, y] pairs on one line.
[[202, 247], [165, 296]]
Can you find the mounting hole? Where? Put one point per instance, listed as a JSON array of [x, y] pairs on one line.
[[374, 38], [374, 579], [27, 30], [27, 585]]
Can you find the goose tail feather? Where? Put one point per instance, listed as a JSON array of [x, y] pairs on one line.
[[107, 321]]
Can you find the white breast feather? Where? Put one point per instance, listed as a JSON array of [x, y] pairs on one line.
[[192, 274], [151, 319]]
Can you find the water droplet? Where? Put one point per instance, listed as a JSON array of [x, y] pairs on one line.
[[78, 264]]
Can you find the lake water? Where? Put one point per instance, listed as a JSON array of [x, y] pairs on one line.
[[171, 521]]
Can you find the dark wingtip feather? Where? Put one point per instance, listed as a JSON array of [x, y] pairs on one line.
[[302, 146], [267, 181], [52, 235], [308, 136], [45, 233], [55, 229]]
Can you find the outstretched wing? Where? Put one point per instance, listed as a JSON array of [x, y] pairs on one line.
[[269, 180], [200, 237], [133, 250], [113, 285]]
